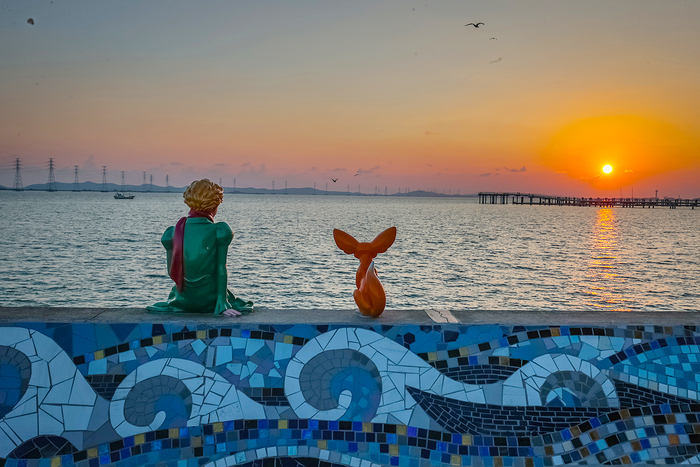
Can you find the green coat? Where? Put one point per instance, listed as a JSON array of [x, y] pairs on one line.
[[205, 247]]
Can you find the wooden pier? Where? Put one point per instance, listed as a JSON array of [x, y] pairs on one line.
[[545, 200]]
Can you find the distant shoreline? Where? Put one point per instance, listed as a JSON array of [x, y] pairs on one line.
[[96, 188]]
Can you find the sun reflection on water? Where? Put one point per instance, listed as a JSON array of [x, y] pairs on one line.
[[605, 283]]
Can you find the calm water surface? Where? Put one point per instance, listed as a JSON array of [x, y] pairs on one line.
[[88, 249]]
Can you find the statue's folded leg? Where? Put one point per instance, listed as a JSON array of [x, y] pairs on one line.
[[169, 306]]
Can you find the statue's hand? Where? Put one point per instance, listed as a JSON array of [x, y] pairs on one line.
[[231, 313]]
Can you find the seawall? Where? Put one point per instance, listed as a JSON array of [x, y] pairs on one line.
[[121, 387]]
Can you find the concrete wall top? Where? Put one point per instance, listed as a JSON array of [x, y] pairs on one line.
[[352, 317]]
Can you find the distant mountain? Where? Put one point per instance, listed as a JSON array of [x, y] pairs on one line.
[[112, 187]]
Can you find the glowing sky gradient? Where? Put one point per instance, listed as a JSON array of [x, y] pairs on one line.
[[401, 92]]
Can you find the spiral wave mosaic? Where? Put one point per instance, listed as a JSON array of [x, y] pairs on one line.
[[94, 395]]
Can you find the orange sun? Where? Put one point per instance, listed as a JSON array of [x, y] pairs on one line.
[[631, 147]]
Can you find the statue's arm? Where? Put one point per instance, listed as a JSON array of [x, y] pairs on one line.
[[167, 241], [224, 236]]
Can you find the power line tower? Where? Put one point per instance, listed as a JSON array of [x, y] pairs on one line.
[[76, 183], [167, 183], [123, 185], [104, 179], [17, 186], [234, 183], [385, 189], [151, 187], [51, 185], [143, 187]]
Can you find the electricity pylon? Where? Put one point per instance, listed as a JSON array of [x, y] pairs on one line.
[[17, 186], [104, 179], [76, 184], [51, 185]]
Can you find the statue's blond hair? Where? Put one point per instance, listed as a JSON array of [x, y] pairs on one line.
[[203, 195]]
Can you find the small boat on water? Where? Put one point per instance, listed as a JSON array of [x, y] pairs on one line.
[[123, 196]]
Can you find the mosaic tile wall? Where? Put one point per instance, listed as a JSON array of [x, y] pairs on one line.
[[301, 395]]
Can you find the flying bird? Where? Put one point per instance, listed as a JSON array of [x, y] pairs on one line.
[[334, 180], [476, 25], [30, 21], [356, 175], [493, 38]]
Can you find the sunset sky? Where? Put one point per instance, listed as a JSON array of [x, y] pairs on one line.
[[538, 99]]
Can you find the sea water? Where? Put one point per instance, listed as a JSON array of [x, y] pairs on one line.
[[87, 249]]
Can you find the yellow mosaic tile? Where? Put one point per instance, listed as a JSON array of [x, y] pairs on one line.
[[288, 339], [626, 460], [282, 424], [504, 361], [585, 452], [173, 433], [139, 439], [575, 431], [201, 334], [322, 444], [555, 332], [463, 352], [455, 460], [394, 449], [670, 418], [218, 427], [99, 355], [548, 451], [625, 414], [92, 453], [529, 462], [367, 427], [432, 356], [196, 441], [467, 440], [673, 440], [55, 462], [157, 340], [400, 429], [497, 462]]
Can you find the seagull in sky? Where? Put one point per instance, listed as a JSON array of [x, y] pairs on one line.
[[476, 25], [356, 175], [30, 21], [334, 180]]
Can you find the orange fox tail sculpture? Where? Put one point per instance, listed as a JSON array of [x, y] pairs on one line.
[[369, 296]]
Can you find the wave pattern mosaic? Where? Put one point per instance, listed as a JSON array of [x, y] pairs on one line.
[[94, 395]]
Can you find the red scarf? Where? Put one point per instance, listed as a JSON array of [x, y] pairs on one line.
[[177, 264]]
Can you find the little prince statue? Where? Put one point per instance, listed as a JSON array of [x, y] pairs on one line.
[[196, 250]]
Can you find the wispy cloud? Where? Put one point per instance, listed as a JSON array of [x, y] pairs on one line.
[[368, 171], [432, 133], [508, 169]]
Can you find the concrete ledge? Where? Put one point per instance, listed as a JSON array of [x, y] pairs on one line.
[[352, 317]]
